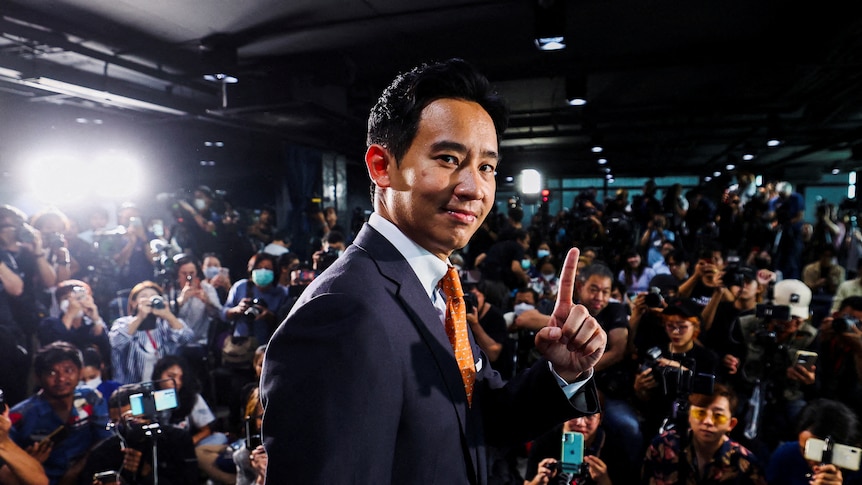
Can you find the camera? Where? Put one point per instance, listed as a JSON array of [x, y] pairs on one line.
[[157, 302], [152, 399], [470, 302], [54, 240], [770, 311], [651, 359], [326, 259], [653, 299], [258, 305], [25, 234], [844, 323]]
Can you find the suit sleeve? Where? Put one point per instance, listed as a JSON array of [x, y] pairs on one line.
[[326, 379]]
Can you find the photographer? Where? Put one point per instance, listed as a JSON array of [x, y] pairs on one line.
[[703, 454], [773, 337], [333, 245], [666, 376], [822, 418], [257, 299], [489, 329], [251, 457], [149, 332], [129, 450], [840, 352], [543, 462], [79, 322]]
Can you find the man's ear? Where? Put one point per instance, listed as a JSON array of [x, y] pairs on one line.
[[733, 422], [378, 161]]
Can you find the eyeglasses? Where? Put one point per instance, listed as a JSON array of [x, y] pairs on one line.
[[676, 327], [700, 414]]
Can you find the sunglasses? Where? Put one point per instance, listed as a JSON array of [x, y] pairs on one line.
[[700, 414]]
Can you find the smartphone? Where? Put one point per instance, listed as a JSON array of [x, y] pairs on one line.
[[843, 456], [106, 477], [252, 439], [805, 358], [572, 452], [58, 434]]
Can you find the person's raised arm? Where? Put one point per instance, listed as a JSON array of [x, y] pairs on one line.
[[573, 341]]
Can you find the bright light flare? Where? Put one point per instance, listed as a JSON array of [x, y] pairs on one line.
[[65, 177]]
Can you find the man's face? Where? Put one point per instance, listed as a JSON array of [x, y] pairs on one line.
[[748, 290], [524, 297], [679, 269], [709, 425], [595, 293], [444, 186], [60, 380]]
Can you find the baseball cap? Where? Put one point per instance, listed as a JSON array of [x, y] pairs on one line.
[[795, 294], [685, 307]]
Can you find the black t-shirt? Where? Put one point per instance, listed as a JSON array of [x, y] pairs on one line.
[[497, 265], [494, 325]]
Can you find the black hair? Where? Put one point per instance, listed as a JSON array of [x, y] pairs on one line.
[[854, 302], [595, 269], [54, 353], [825, 417], [394, 120], [188, 393], [334, 237], [92, 358]]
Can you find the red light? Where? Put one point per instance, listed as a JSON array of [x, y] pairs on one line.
[[546, 192]]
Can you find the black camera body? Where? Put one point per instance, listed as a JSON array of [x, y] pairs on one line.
[[258, 305], [326, 259], [844, 323], [770, 311], [157, 302], [470, 302], [653, 299]]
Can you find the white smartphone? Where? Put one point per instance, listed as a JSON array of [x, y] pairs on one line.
[[843, 456]]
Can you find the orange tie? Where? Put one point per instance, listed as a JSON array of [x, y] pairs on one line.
[[456, 329]]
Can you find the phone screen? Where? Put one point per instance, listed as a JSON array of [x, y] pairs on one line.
[[137, 403], [165, 399]]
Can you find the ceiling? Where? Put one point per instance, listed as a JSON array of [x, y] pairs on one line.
[[673, 87]]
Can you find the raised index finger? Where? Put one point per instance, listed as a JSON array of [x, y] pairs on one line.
[[567, 279]]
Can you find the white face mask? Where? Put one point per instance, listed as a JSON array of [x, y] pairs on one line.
[[200, 204], [92, 383], [64, 307]]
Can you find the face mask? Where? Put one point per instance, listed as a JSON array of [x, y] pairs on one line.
[[548, 275], [92, 383], [262, 276], [211, 272], [200, 204], [525, 263], [64, 307], [541, 253]]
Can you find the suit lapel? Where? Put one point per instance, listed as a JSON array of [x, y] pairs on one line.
[[414, 300]]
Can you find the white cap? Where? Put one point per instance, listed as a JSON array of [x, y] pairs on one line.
[[794, 293]]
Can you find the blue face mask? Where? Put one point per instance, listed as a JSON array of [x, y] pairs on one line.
[[525, 263], [541, 253], [211, 272], [262, 276]]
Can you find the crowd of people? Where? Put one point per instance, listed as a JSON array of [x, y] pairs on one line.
[[91, 319], [682, 304], [700, 361]]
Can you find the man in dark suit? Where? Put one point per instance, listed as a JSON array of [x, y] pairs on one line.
[[360, 383]]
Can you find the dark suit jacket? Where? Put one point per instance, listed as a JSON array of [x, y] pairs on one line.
[[360, 385]]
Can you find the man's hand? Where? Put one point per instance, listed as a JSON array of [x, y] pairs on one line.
[[546, 470], [573, 341], [41, 450], [131, 459], [802, 374]]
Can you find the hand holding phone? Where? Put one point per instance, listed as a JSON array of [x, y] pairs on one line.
[[805, 359]]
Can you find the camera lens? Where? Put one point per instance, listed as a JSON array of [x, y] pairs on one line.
[[157, 302]]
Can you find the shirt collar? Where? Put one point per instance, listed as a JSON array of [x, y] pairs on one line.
[[428, 268]]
